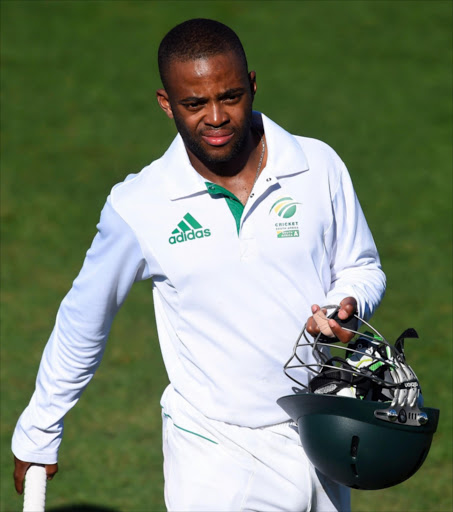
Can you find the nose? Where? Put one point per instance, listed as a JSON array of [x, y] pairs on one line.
[[216, 115]]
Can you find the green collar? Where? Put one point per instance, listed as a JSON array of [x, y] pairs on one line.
[[235, 206]]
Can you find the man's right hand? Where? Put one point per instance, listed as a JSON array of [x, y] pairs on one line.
[[20, 468], [348, 307]]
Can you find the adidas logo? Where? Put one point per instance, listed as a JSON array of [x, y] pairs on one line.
[[188, 229]]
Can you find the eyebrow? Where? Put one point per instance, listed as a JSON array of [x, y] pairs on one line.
[[232, 92], [223, 95]]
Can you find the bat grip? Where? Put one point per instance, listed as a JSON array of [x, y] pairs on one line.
[[35, 489]]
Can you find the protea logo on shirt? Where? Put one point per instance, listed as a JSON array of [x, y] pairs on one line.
[[285, 208], [188, 229]]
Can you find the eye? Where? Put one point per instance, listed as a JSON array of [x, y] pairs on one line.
[[193, 106], [233, 98]]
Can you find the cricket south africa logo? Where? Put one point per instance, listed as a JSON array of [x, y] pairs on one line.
[[285, 208], [188, 229]]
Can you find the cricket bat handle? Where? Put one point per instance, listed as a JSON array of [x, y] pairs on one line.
[[35, 489]]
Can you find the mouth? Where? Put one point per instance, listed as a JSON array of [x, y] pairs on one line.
[[217, 139]]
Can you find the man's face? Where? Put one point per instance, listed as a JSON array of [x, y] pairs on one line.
[[210, 101]]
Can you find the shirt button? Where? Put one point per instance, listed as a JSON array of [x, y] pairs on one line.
[[251, 195], [268, 179]]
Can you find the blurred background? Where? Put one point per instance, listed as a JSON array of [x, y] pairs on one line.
[[373, 79]]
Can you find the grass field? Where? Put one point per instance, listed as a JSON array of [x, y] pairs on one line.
[[78, 113]]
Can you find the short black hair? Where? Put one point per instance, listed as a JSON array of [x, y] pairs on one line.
[[196, 39]]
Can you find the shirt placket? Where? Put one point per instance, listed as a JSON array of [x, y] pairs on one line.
[[245, 224]]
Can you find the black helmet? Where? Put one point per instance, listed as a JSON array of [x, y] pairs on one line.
[[360, 417]]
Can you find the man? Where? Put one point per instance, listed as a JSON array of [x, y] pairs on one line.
[[245, 231]]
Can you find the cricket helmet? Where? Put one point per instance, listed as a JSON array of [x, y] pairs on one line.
[[360, 414]]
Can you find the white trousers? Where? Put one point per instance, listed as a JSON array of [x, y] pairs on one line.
[[217, 467]]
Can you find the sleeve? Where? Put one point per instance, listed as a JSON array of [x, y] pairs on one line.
[[355, 264], [75, 348]]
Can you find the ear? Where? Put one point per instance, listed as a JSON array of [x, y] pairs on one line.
[[252, 81], [164, 102]]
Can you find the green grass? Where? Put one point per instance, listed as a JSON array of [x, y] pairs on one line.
[[78, 113]]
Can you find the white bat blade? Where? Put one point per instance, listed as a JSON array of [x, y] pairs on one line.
[[35, 489]]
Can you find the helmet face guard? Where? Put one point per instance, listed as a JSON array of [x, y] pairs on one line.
[[360, 416]]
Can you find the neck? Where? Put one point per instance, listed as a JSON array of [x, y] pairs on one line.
[[238, 175]]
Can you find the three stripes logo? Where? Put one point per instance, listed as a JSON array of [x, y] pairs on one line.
[[188, 229]]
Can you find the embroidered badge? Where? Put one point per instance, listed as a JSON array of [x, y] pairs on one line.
[[285, 208]]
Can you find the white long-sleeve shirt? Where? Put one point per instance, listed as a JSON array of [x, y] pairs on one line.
[[232, 285]]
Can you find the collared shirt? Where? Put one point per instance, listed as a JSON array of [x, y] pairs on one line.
[[232, 284]]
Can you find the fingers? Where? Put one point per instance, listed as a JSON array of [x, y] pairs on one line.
[[315, 308], [51, 470], [317, 322], [323, 323], [20, 468], [312, 326], [348, 307], [342, 334]]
